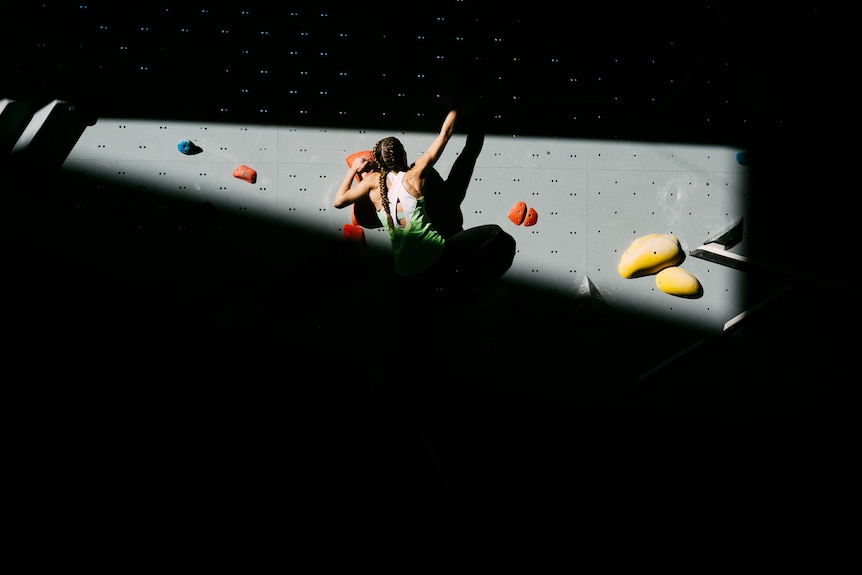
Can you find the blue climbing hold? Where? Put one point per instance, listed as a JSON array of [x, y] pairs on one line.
[[742, 158], [189, 148]]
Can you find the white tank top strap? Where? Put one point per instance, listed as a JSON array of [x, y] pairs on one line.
[[399, 194]]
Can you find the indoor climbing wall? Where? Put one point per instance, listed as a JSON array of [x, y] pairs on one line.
[[602, 130], [192, 336], [588, 200]]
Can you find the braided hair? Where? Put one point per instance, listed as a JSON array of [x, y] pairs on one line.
[[389, 155]]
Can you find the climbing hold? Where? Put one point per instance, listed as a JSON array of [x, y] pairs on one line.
[[363, 213], [679, 282], [368, 167], [531, 218], [518, 213], [353, 249], [243, 172], [354, 233], [742, 158], [650, 254], [189, 148]]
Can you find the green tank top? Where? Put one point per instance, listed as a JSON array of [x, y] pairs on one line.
[[416, 246]]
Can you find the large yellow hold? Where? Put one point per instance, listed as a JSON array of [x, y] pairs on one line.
[[650, 254], [679, 282]]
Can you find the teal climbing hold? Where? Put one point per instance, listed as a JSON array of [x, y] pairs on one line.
[[189, 148]]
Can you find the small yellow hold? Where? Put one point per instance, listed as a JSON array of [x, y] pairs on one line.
[[650, 254], [677, 281]]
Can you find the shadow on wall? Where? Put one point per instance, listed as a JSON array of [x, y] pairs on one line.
[[151, 277], [40, 135], [141, 274], [173, 339]]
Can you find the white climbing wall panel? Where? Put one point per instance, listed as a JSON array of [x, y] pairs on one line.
[[593, 198]]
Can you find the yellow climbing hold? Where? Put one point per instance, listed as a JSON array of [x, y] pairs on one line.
[[650, 254], [677, 281]]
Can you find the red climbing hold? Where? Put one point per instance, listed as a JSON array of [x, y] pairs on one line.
[[363, 213], [517, 213], [243, 172], [354, 233], [353, 248], [531, 218], [368, 166]]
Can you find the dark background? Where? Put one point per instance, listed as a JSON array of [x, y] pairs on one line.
[[121, 390]]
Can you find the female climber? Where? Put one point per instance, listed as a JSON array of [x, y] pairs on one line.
[[459, 267]]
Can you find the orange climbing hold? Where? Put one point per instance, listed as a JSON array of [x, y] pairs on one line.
[[354, 241], [368, 166], [363, 213], [354, 233], [243, 172], [531, 218], [518, 213]]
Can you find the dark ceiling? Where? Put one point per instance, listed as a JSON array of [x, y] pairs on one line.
[[692, 71]]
